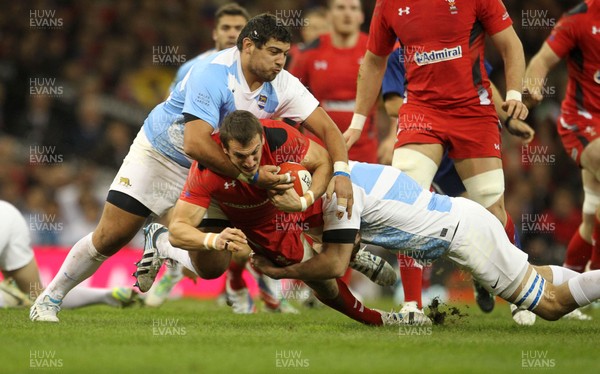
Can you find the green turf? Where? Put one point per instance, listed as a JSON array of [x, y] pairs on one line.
[[205, 338]]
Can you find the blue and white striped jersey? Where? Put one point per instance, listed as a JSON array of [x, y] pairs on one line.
[[392, 211], [187, 66], [214, 87]]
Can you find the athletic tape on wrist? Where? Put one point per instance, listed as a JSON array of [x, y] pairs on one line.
[[514, 95], [303, 203], [341, 166], [358, 122], [312, 196], [214, 241]]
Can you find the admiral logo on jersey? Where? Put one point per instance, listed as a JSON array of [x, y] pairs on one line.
[[434, 57], [595, 30], [227, 185]]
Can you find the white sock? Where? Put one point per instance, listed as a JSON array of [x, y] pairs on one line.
[[82, 261], [82, 296], [561, 274], [584, 287], [165, 249]]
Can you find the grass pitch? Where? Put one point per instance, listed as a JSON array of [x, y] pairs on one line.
[[192, 336]]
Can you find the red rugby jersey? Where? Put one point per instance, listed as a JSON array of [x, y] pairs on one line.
[[443, 43], [271, 232], [576, 36], [330, 75]]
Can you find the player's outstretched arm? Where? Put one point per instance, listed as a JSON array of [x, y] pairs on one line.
[[536, 73], [183, 232], [508, 44], [514, 126], [368, 85], [331, 263]]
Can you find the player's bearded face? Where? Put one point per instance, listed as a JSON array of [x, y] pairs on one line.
[[268, 61], [246, 157]]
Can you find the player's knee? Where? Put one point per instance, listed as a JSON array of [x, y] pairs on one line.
[[590, 157], [109, 241], [416, 165], [591, 200], [486, 188]]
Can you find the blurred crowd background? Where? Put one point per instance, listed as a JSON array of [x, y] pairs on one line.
[[77, 79]]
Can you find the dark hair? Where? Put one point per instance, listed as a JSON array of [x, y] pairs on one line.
[[262, 28], [231, 9], [241, 126]]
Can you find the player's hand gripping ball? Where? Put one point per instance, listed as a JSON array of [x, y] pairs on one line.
[[303, 178]]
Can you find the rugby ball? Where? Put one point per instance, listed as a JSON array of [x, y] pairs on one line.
[[303, 178]]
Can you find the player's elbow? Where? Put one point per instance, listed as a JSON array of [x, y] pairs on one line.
[[191, 148]]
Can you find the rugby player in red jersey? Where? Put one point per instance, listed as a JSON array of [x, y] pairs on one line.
[[576, 38], [328, 67], [256, 220], [448, 105]]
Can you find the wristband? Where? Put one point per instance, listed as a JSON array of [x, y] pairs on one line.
[[341, 166], [342, 173], [312, 196], [213, 241], [303, 203], [514, 95], [358, 122]]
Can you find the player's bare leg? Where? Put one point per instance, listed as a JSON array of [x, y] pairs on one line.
[[590, 162], [115, 229], [553, 291]]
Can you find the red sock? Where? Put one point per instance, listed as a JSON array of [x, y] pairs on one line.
[[347, 304], [578, 253], [234, 276], [412, 278], [595, 260], [509, 228], [427, 270]]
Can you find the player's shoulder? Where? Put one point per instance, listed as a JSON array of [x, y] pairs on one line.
[[8, 210], [579, 9], [222, 61], [279, 133]]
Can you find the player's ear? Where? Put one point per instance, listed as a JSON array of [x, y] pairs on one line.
[[247, 45]]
